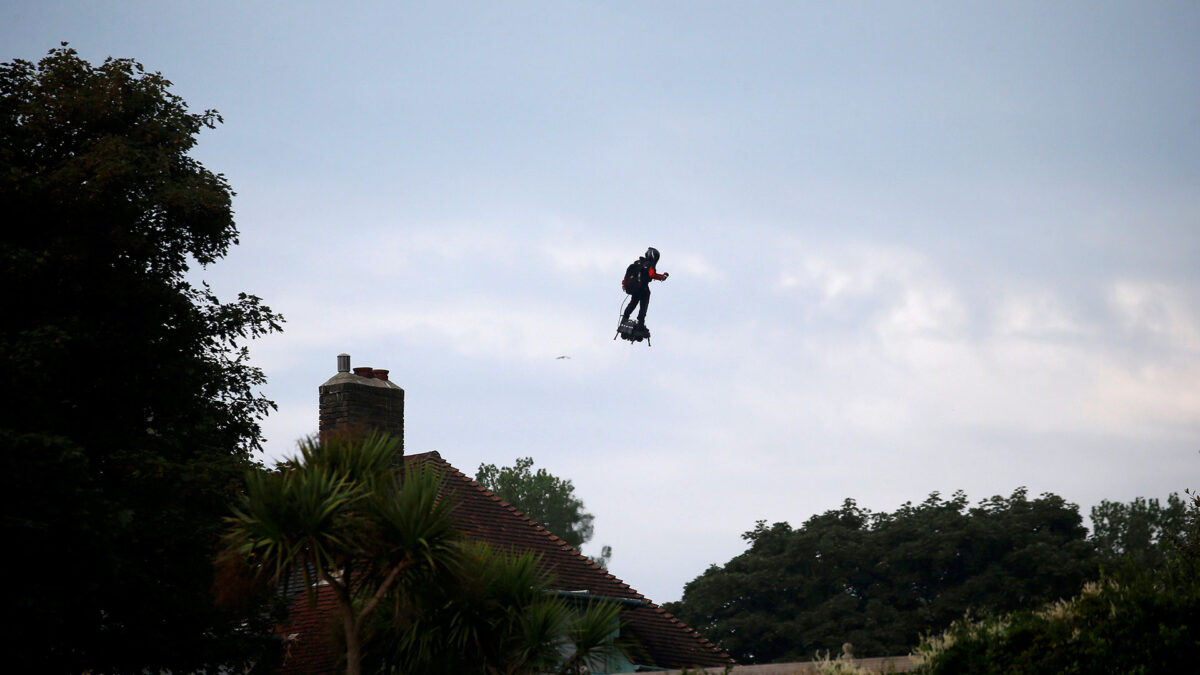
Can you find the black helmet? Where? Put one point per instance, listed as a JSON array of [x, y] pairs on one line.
[[651, 255]]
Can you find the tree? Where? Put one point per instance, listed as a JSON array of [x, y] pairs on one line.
[[494, 614], [545, 498], [131, 415], [341, 516], [1139, 533], [1140, 620], [1139, 625], [879, 580]]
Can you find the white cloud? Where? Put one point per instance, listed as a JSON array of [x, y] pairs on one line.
[[1141, 400], [905, 364], [478, 327], [924, 307], [1039, 313], [1164, 312], [893, 290], [847, 271]]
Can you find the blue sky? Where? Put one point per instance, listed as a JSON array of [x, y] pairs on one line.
[[913, 247]]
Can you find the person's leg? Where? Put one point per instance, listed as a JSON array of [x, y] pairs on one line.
[[633, 301], [645, 300], [636, 300]]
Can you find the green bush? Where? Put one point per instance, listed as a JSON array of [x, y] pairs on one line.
[[1136, 620]]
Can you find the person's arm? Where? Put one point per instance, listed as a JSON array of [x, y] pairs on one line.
[[656, 275]]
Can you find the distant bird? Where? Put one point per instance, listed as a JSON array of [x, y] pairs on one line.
[[560, 358]]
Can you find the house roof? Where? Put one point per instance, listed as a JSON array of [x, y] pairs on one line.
[[307, 636], [478, 513]]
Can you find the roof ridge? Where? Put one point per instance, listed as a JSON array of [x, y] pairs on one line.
[[692, 631], [492, 495], [541, 528]]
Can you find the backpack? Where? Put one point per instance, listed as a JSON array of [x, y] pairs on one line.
[[636, 278]]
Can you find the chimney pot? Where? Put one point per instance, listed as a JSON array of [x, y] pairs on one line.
[[365, 371], [381, 374], [343, 361]]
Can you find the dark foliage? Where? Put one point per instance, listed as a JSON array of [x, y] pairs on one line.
[[1141, 533], [495, 612], [880, 580], [131, 415], [1139, 619]]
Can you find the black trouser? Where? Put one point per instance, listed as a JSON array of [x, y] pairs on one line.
[[641, 298]]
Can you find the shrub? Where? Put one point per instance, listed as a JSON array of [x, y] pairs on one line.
[[1136, 620]]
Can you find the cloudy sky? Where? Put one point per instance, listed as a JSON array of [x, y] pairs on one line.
[[914, 246]]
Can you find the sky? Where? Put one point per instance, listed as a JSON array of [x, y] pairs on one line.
[[914, 247]]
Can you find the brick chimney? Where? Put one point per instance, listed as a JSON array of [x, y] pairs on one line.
[[361, 401]]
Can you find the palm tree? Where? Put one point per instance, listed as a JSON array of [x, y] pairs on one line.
[[342, 515], [591, 638], [496, 614]]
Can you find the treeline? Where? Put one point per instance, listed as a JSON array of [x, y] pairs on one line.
[[882, 581]]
